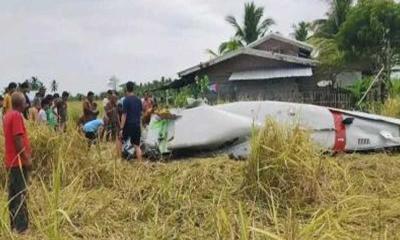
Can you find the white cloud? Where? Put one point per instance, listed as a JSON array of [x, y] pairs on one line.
[[81, 43]]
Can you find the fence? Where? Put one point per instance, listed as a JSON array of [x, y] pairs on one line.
[[328, 97]]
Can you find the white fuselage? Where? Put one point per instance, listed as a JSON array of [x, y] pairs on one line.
[[230, 125]]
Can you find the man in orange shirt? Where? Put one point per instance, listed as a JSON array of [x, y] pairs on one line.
[[17, 162]]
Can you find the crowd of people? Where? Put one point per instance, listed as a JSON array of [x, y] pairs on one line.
[[122, 121], [48, 109]]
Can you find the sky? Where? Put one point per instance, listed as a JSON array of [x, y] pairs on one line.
[[82, 43]]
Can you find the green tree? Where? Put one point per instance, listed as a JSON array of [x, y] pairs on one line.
[[301, 31], [324, 37], [225, 47], [371, 37], [113, 82], [336, 16], [254, 26], [54, 86], [35, 83]]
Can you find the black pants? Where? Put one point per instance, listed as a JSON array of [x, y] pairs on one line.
[[133, 133], [91, 137], [17, 193]]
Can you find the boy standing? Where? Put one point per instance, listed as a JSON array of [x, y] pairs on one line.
[[17, 161], [131, 118]]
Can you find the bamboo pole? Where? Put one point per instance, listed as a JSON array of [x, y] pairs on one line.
[[370, 86]]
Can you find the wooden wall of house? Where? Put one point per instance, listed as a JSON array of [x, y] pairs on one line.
[[284, 89], [221, 72]]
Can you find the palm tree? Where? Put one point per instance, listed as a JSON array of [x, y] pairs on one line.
[[254, 26], [226, 47], [336, 16], [113, 82], [328, 53], [54, 86], [301, 31]]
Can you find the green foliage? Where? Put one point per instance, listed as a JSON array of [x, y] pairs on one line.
[[35, 83], [371, 33], [203, 84], [336, 16], [359, 88], [199, 89], [225, 47], [301, 31], [54, 86], [329, 56], [395, 88], [324, 38], [254, 26], [181, 97]]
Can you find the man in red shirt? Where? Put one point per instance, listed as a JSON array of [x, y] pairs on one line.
[[17, 162]]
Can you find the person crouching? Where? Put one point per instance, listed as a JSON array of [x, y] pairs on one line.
[[92, 129], [17, 161]]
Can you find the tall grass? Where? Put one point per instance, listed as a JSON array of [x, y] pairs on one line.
[[285, 165], [81, 193]]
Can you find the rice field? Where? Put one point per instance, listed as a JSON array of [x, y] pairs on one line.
[[286, 190]]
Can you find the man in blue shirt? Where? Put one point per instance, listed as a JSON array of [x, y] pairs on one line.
[[131, 118], [92, 129]]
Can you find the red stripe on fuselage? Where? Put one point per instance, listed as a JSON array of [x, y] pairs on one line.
[[340, 132]]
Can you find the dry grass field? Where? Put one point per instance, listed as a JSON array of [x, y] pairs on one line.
[[286, 190]]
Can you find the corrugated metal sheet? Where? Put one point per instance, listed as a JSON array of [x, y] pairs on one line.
[[271, 74]]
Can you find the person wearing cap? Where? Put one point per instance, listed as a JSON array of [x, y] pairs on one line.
[[7, 98]]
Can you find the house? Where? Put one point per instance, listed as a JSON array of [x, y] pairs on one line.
[[273, 67]]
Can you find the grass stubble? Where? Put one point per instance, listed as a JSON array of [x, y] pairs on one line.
[[286, 190]]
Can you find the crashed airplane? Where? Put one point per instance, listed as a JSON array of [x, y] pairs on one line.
[[227, 128]]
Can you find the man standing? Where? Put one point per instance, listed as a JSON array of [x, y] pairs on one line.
[[40, 95], [130, 120], [89, 111], [17, 162], [7, 98], [111, 110], [25, 88], [62, 110]]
